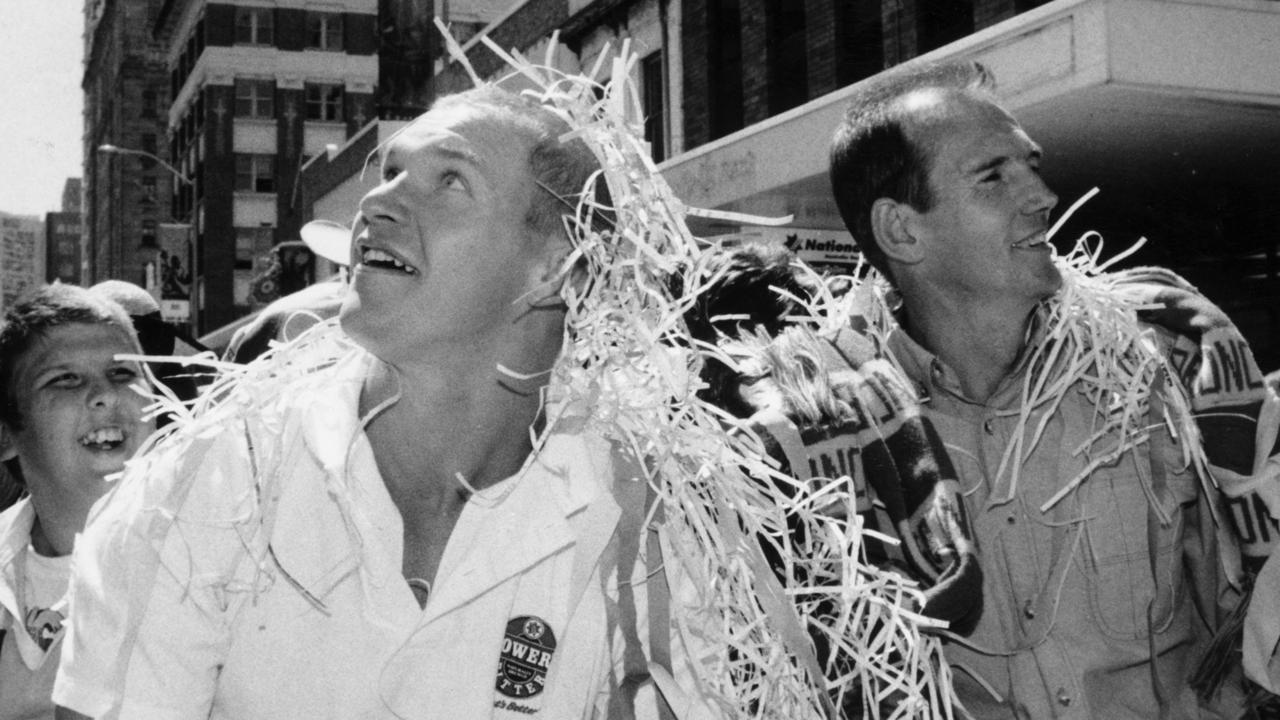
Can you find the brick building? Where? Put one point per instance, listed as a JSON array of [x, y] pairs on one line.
[[256, 89], [62, 237], [21, 256], [126, 197]]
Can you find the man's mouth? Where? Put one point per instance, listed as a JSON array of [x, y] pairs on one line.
[[1035, 239], [384, 260], [106, 438]]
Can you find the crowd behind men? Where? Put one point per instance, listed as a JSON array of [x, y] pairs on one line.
[[319, 555]]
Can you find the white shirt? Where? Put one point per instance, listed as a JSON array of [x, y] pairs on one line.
[[523, 619], [32, 588]]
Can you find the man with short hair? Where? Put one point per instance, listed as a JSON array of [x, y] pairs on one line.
[[364, 529], [1099, 597]]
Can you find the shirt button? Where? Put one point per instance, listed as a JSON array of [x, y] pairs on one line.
[[1030, 612], [1063, 698], [989, 426]]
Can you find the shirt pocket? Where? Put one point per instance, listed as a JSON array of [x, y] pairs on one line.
[[1116, 560]]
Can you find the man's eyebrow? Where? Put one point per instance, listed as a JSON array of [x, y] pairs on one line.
[[1033, 153], [988, 164], [465, 155]]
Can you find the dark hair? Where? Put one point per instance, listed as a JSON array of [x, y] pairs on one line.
[[560, 167], [748, 289], [753, 293], [872, 156], [33, 316]]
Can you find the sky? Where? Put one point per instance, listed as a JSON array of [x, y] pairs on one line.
[[41, 104]]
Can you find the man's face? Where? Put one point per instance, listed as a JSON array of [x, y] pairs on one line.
[[984, 236], [443, 253], [81, 413]]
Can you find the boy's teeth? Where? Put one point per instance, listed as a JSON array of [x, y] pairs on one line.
[[102, 436]]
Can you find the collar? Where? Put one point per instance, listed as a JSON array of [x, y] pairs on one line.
[[15, 535], [560, 498], [931, 376]]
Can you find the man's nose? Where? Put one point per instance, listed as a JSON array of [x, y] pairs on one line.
[[380, 204], [1039, 198]]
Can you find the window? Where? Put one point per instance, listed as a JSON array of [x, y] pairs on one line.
[[149, 147], [255, 173], [148, 103], [324, 102], [324, 31], [724, 76], [942, 22], [149, 189], [255, 26], [861, 54], [246, 247], [255, 98], [148, 233], [788, 66], [654, 109]]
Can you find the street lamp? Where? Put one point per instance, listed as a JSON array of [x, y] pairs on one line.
[[113, 150], [173, 306]]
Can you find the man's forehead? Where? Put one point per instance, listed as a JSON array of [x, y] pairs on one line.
[[944, 118], [467, 131]]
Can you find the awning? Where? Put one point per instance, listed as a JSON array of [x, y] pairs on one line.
[[1117, 91]]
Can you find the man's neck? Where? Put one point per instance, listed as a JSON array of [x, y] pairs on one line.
[[452, 418], [980, 342]]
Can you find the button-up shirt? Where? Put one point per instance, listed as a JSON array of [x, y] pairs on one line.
[[1066, 631]]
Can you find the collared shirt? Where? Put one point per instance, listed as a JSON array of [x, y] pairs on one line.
[[1065, 631], [180, 609], [26, 668]]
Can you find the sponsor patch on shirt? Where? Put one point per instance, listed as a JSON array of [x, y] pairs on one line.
[[526, 654]]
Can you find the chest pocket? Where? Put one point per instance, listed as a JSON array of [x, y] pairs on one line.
[[1117, 559]]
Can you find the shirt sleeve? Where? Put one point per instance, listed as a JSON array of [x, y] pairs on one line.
[[157, 576]]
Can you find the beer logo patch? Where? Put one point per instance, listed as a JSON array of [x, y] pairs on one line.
[[526, 653]]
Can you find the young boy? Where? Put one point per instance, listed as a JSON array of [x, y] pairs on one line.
[[70, 415]]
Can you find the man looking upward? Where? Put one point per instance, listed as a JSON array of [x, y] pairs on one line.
[[363, 529], [1100, 571]]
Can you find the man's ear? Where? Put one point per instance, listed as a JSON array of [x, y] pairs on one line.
[[891, 223], [8, 447], [549, 274]]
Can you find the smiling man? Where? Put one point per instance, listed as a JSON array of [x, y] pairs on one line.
[[1101, 572], [363, 528]]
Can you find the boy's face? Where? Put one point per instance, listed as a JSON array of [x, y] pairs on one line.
[[81, 415]]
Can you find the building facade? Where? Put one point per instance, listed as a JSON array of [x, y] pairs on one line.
[[126, 196], [257, 88], [62, 238], [22, 264]]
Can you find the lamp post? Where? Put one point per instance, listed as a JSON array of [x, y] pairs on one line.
[[169, 275], [113, 150]]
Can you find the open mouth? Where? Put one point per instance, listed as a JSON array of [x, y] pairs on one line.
[[106, 439], [1036, 239], [384, 260]]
